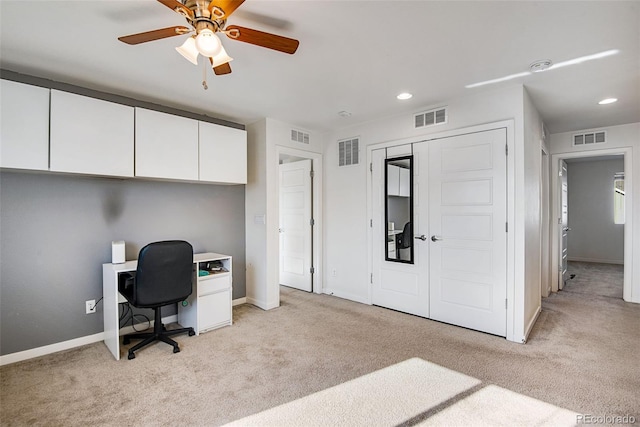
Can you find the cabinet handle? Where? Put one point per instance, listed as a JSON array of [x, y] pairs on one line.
[[435, 238], [421, 237]]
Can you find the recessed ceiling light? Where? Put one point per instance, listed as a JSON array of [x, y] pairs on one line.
[[404, 95], [608, 101]]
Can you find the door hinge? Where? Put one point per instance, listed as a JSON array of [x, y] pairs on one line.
[[312, 222], [371, 167], [371, 278], [506, 303], [312, 270], [312, 174], [371, 223], [506, 150], [506, 227]]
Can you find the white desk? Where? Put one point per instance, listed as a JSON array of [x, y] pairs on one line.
[[208, 307]]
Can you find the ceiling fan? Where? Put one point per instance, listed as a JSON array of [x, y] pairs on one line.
[[207, 18]]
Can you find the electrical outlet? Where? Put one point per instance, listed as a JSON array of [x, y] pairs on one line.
[[90, 306]]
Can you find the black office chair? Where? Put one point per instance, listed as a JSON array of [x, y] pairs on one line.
[[404, 240], [163, 277]]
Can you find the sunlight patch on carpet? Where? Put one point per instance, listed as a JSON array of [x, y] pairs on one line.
[[415, 392]]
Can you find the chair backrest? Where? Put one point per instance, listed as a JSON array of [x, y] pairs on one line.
[[405, 240], [164, 273]]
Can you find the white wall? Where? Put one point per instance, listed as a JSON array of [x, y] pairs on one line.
[[594, 237], [264, 139], [531, 174], [623, 138], [346, 218]]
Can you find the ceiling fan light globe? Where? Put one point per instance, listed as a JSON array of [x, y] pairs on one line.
[[221, 58], [207, 43], [189, 51]]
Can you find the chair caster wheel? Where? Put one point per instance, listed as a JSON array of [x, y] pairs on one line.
[[191, 332], [131, 356], [176, 349], [125, 341]]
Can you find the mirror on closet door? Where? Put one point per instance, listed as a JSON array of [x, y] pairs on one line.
[[399, 209]]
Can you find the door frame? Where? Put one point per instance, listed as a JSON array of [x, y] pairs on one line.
[[627, 152], [545, 222], [515, 309], [317, 280]]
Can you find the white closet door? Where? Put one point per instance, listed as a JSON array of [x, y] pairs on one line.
[[468, 215], [399, 285]]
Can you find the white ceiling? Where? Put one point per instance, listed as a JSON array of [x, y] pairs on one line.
[[354, 56]]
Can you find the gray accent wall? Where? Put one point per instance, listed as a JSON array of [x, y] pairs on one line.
[[56, 232], [593, 236]]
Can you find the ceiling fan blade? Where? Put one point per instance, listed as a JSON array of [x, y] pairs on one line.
[[260, 38], [226, 6], [222, 69], [176, 6], [154, 35]]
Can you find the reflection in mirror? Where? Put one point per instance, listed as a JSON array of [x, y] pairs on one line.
[[399, 209]]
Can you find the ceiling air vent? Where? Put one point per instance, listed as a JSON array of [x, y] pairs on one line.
[[299, 136], [590, 138], [348, 152], [433, 117]]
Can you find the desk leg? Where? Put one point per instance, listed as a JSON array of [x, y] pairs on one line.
[[111, 311]]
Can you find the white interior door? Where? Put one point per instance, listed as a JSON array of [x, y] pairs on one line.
[[397, 285], [564, 224], [296, 225], [468, 242]]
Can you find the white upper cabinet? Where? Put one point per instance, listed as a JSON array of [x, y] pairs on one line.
[[24, 126], [166, 146], [404, 186], [90, 136], [398, 181], [223, 154]]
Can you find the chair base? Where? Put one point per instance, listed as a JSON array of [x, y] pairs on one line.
[[160, 333]]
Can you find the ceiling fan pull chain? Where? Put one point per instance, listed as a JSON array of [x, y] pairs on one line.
[[204, 76]]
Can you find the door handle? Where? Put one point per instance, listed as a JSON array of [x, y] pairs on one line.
[[421, 237], [566, 229], [435, 238]]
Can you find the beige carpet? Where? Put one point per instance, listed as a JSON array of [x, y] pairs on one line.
[[582, 356]]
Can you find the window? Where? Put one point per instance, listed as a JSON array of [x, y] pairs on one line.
[[618, 198]]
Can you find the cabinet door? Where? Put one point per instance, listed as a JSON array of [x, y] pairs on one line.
[[24, 126], [393, 180], [166, 146], [404, 187], [223, 154], [214, 310], [90, 136]]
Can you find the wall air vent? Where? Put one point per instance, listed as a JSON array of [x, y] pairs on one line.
[[437, 116], [299, 136], [590, 138], [348, 152]]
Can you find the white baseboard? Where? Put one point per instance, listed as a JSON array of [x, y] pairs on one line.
[[599, 261], [48, 349], [239, 301], [78, 342], [531, 323], [261, 304], [346, 295]]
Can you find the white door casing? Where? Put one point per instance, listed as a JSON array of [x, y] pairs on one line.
[[564, 225], [295, 225], [468, 223]]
